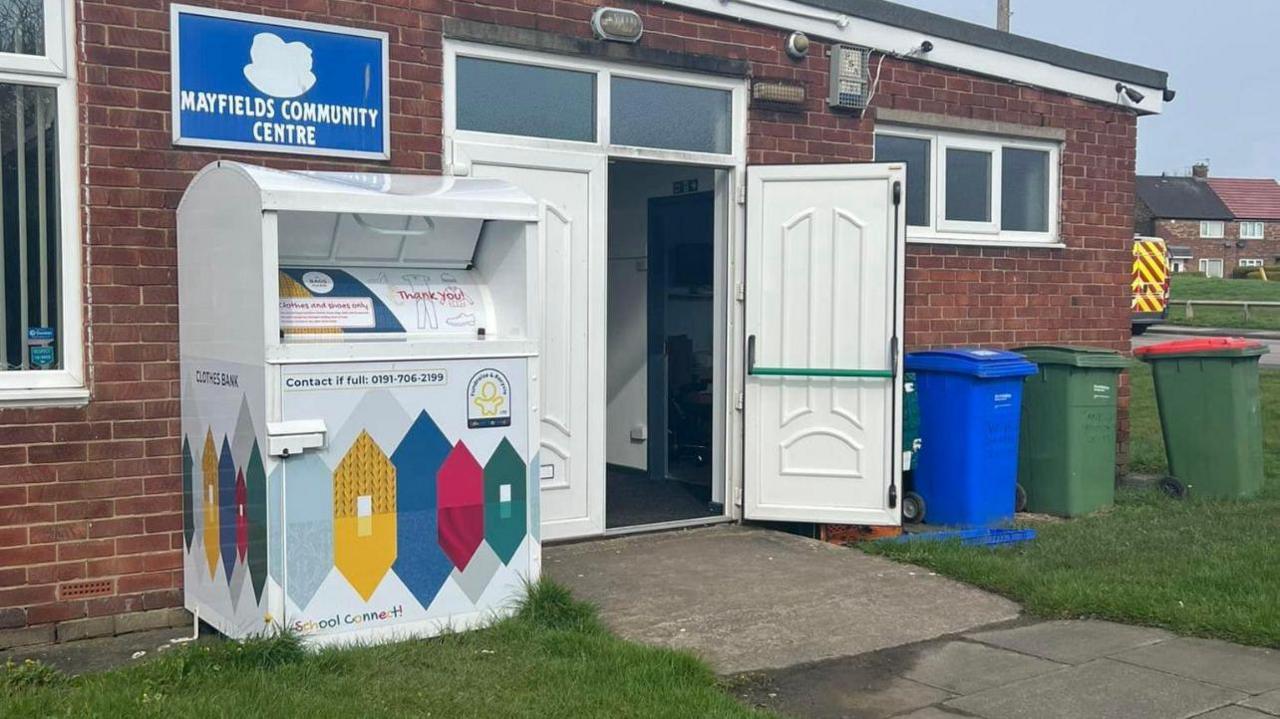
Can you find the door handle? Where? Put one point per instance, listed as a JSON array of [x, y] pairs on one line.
[[752, 369]]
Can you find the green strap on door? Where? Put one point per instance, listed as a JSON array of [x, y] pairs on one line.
[[812, 372]]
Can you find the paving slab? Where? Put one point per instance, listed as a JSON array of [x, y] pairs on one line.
[[1249, 669], [747, 599], [1269, 702], [1101, 689], [96, 655], [1235, 712], [864, 687], [933, 713], [1071, 641], [967, 667]]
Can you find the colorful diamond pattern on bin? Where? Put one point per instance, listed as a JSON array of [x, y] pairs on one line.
[[233, 514], [209, 500], [364, 515], [255, 478], [227, 507], [188, 490], [420, 563], [242, 516], [505, 522], [460, 492]]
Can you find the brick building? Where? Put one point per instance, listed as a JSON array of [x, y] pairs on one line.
[[1211, 225], [91, 536]]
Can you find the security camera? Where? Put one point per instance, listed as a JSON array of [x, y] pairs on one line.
[[926, 46], [1134, 96]]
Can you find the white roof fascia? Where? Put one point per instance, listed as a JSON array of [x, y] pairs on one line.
[[893, 40]]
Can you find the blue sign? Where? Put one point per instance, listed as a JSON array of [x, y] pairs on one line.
[[248, 82], [40, 334], [42, 356]]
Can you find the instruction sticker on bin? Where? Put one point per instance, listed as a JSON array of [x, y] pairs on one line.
[[335, 313]]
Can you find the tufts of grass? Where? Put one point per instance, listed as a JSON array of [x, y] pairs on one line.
[[552, 658], [1200, 567], [28, 674], [551, 606]]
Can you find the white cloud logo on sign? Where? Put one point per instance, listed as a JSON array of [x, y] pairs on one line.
[[279, 68]]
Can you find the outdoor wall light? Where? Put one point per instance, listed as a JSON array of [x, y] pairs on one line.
[[778, 93], [797, 45], [1133, 95], [616, 24]]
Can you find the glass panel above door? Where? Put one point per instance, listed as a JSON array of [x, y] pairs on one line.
[[644, 113], [514, 99]]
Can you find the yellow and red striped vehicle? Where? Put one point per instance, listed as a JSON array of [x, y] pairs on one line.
[[1150, 283]]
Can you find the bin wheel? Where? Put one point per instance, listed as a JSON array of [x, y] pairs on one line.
[[1172, 488], [913, 508], [1019, 498]]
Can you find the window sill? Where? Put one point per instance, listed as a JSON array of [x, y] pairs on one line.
[[44, 397], [988, 241]]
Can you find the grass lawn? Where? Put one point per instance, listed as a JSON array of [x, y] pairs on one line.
[[1203, 288], [1196, 567], [553, 660]]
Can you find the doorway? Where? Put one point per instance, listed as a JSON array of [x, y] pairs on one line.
[[662, 356]]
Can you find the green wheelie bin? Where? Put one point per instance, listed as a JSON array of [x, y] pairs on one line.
[[1210, 415], [1067, 452]]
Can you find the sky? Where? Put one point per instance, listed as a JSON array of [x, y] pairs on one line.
[[1221, 57]]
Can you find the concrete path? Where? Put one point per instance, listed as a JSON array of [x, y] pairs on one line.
[[747, 599], [1045, 670]]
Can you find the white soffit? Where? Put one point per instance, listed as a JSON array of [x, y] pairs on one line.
[[829, 25]]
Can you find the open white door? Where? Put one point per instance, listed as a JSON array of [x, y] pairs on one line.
[[573, 194], [823, 321]]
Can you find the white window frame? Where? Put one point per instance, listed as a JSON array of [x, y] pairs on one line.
[[604, 72], [1204, 265], [940, 230], [65, 386], [1207, 235], [946, 143], [1250, 262], [1251, 224]]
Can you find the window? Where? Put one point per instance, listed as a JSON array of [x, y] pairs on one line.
[[645, 113], [917, 153], [627, 111], [1250, 263], [1211, 268], [41, 351], [975, 189], [514, 99], [1252, 230], [1212, 229]]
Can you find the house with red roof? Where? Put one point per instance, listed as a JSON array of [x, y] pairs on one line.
[[1211, 224]]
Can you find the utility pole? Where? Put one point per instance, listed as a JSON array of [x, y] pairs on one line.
[[1002, 15]]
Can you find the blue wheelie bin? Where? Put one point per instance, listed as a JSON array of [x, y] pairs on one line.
[[970, 409]]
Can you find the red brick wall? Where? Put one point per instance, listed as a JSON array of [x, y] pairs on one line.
[[94, 492], [1186, 233]]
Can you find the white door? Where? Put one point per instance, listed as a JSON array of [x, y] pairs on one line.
[[572, 190], [824, 311]]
